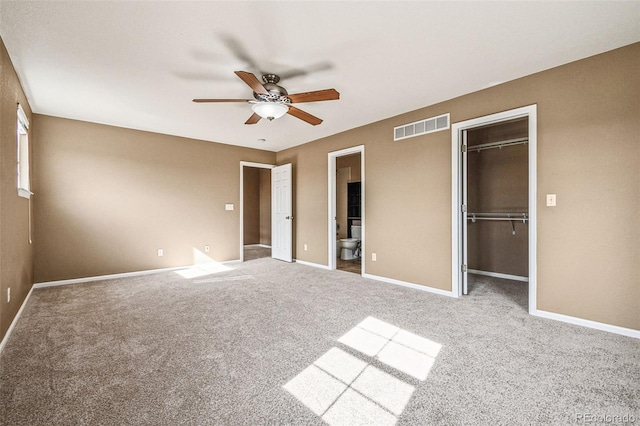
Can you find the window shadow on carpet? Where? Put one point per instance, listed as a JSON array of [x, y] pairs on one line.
[[343, 389]]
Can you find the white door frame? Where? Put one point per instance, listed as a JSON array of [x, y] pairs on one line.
[[331, 217], [244, 164], [456, 195]]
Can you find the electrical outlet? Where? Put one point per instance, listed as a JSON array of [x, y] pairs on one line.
[[160, 252], [305, 247], [9, 295], [207, 248], [374, 257]]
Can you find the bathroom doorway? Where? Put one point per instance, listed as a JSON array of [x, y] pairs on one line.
[[494, 204], [255, 210], [346, 210]]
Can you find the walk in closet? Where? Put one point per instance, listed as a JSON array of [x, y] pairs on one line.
[[497, 200]]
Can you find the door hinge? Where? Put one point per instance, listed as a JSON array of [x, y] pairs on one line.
[[463, 268], [463, 208], [463, 148]]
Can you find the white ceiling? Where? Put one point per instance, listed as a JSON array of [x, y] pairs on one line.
[[139, 64]]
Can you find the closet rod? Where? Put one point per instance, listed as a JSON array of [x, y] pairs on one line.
[[513, 219], [512, 216], [500, 144], [502, 214]]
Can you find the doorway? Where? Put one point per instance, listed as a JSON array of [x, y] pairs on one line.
[[494, 200], [346, 210], [255, 210]]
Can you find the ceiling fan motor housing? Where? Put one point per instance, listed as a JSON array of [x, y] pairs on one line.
[[277, 93], [270, 78]]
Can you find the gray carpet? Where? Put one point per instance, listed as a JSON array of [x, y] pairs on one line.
[[273, 343], [253, 252]]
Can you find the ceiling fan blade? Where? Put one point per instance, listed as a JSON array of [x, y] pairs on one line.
[[239, 51], [253, 119], [220, 100], [295, 72], [304, 116], [252, 81], [318, 95]]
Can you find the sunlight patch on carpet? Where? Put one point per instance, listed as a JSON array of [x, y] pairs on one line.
[[203, 269], [405, 351], [345, 390]]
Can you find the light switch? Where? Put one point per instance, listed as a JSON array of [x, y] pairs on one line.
[[551, 200], [228, 206]]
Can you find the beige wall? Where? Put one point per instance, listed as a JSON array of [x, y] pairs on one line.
[[265, 206], [16, 254], [257, 206], [343, 176], [352, 161], [251, 207], [109, 197], [588, 154]]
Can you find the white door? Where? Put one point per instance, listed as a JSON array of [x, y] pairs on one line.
[[463, 209], [281, 213]]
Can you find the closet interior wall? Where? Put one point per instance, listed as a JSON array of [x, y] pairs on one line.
[[257, 206], [497, 182]]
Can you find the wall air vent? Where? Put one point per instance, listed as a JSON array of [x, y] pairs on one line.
[[422, 127]]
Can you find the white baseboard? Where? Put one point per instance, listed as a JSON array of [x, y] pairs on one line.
[[410, 285], [315, 265], [256, 245], [116, 276], [104, 277], [5, 339], [629, 332], [387, 280], [499, 275]]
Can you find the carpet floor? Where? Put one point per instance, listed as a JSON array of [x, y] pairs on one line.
[[266, 342]]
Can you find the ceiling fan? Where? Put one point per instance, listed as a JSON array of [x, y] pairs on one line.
[[273, 101]]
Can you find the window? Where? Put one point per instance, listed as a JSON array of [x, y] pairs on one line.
[[24, 186]]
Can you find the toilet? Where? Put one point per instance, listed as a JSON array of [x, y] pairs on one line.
[[349, 247]]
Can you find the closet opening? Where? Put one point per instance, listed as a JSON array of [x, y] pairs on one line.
[[494, 187], [497, 208]]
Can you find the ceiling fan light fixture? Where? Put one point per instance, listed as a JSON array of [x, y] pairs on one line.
[[270, 110]]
